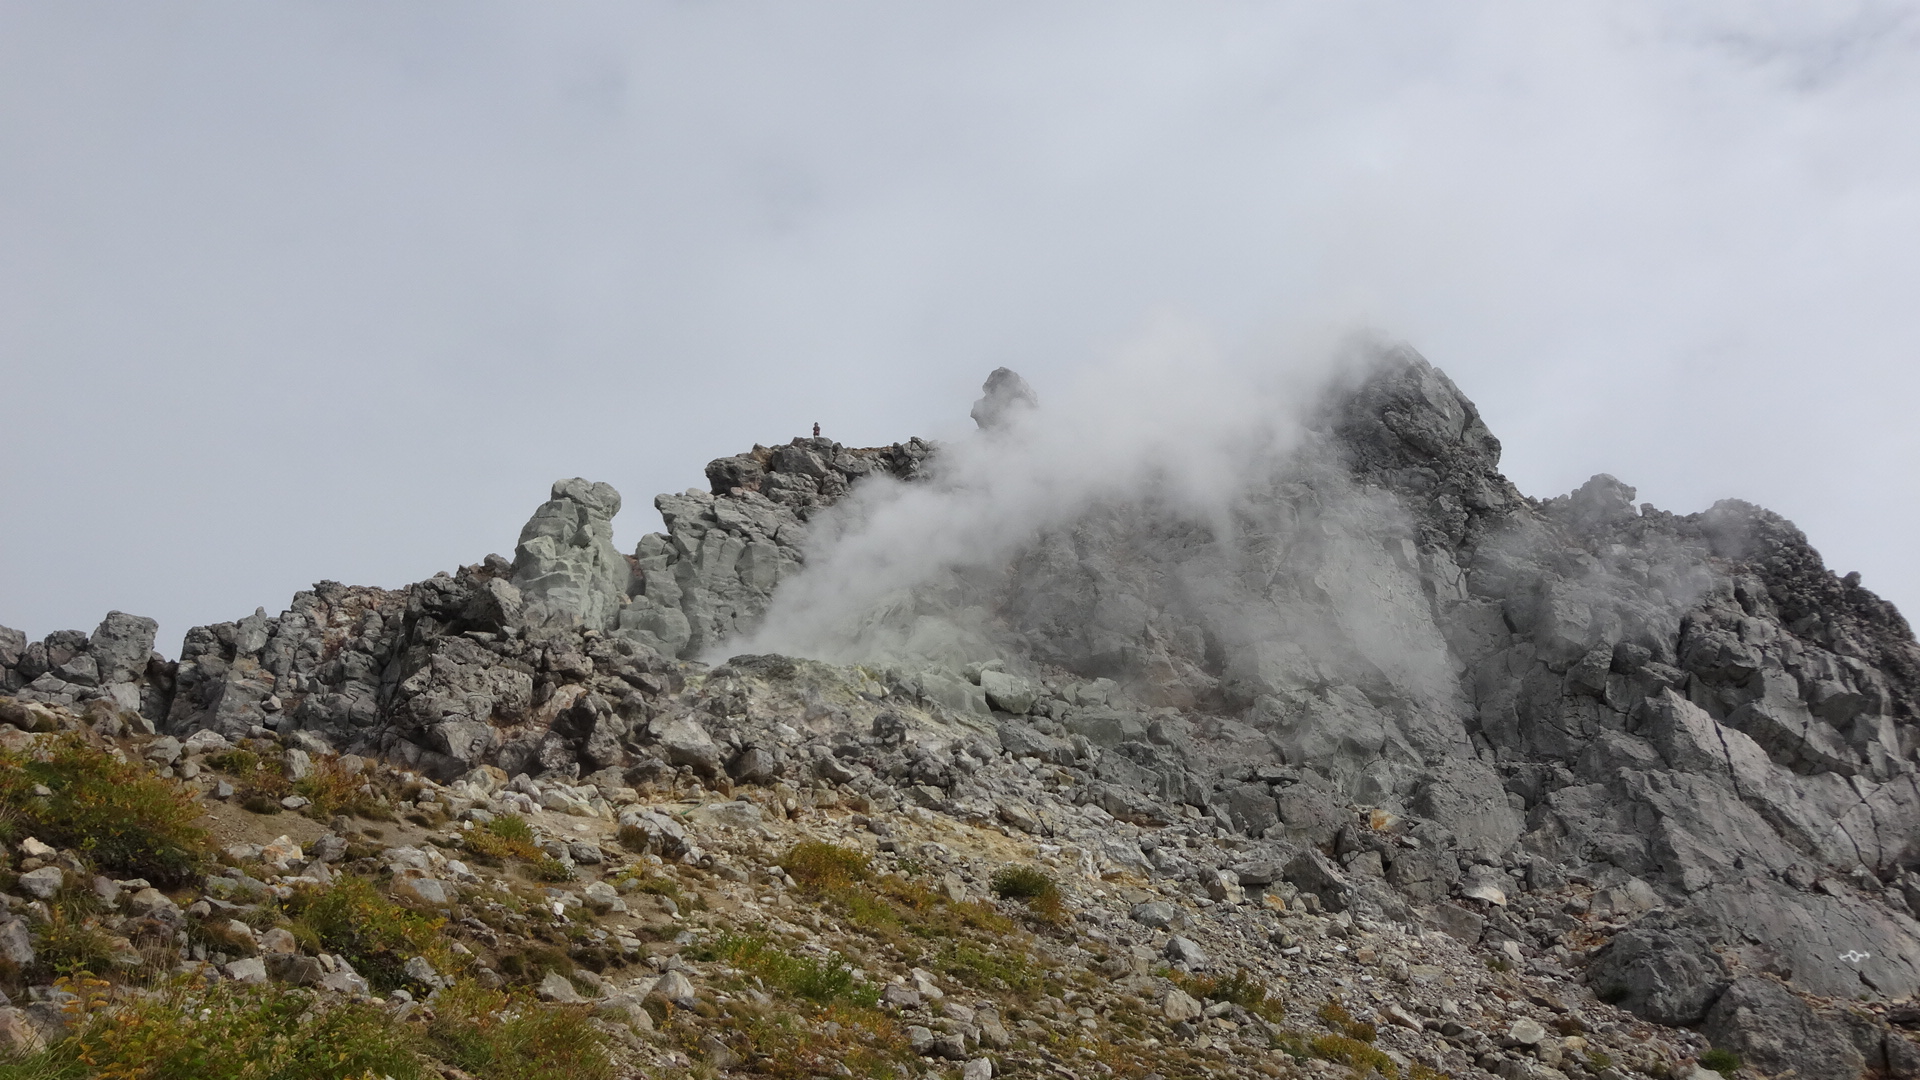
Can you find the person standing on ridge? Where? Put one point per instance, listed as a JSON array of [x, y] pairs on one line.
[[816, 429]]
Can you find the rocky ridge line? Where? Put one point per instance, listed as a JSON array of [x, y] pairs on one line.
[[1687, 717]]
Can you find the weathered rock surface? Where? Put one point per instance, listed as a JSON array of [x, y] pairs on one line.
[[1404, 689]]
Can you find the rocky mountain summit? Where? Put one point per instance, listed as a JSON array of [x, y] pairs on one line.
[[1531, 787]]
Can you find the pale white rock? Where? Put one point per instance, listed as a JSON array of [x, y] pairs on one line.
[[1178, 1006], [249, 970], [43, 883]]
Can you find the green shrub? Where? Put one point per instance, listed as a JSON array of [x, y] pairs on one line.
[[71, 942], [331, 790], [1724, 1062], [241, 764], [822, 867], [1033, 887], [505, 837], [822, 981], [657, 885], [500, 1036], [226, 1031], [1244, 989], [552, 869], [376, 935], [1335, 1015], [126, 820], [989, 968], [1354, 1053], [1022, 883]]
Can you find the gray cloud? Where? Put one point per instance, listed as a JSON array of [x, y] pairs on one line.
[[336, 290]]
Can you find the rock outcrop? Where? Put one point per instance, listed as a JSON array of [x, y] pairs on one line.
[[1402, 687]]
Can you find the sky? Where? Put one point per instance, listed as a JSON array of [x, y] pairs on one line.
[[335, 290]]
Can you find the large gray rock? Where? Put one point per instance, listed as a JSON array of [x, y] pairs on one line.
[[1005, 395], [121, 646], [565, 565], [1008, 693], [1468, 798], [685, 742], [1666, 976], [1776, 1032]]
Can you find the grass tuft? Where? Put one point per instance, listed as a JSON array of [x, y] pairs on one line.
[[1033, 887], [820, 866], [1724, 1062], [1335, 1015]]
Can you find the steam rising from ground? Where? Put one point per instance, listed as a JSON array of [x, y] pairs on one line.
[[1172, 520]]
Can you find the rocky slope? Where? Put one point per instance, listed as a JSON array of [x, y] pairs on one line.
[[1392, 735]]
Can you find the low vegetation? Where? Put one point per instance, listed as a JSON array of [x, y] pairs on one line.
[[1033, 887], [376, 935], [222, 1031], [1724, 1062], [125, 820], [824, 981], [500, 1036]]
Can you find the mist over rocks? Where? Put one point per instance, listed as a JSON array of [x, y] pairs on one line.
[[1003, 393], [1332, 634]]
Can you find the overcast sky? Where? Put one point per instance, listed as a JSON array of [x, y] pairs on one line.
[[298, 291]]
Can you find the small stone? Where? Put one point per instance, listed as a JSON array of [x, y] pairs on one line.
[[151, 901], [923, 984], [278, 940], [34, 849], [1397, 1015], [953, 888], [1184, 950], [557, 989], [1155, 913], [674, 987], [281, 851], [428, 891], [1179, 1006], [250, 970], [421, 970], [899, 996], [719, 1054], [1527, 1032], [16, 941], [978, 1069], [43, 883], [18, 1035]]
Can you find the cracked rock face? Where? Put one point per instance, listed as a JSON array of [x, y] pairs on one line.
[[1687, 715]]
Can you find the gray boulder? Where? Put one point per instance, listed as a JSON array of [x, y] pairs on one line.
[[1776, 1032], [685, 742], [1667, 976], [121, 646], [1005, 395], [1008, 693], [565, 565]]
